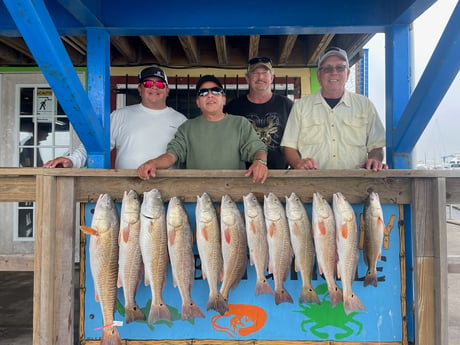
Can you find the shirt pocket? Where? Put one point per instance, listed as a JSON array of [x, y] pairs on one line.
[[312, 132], [354, 131]]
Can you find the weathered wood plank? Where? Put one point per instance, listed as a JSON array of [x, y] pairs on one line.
[[453, 190], [17, 188], [44, 265], [17, 262], [64, 259], [426, 312], [453, 264]]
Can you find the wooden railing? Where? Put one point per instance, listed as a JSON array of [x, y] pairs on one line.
[[56, 192]]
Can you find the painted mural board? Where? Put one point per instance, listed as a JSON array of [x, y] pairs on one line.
[[258, 317]]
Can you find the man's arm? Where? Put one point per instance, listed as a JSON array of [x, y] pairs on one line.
[[296, 162]]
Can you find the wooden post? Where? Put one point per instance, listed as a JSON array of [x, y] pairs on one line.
[[430, 248], [54, 261]]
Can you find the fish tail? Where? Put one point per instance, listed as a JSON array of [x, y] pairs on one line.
[[352, 303], [371, 277], [133, 313], [282, 296], [335, 295], [159, 312], [110, 336], [308, 295], [191, 310], [217, 302], [263, 287]]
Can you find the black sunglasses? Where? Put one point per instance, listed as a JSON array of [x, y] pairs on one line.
[[214, 90], [149, 84], [255, 60]]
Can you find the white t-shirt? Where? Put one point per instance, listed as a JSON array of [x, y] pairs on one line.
[[138, 133]]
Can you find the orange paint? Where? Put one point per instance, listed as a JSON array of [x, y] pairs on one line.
[[322, 228], [240, 320], [344, 231]]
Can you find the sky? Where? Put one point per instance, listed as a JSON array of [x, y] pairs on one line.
[[440, 137]]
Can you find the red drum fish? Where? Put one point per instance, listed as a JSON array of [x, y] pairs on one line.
[[154, 248], [347, 250], [279, 245], [103, 260], [323, 225]]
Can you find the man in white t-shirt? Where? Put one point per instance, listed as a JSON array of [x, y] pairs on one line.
[[137, 132]]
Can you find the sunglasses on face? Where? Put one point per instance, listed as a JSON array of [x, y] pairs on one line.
[[214, 90], [255, 60], [330, 69], [150, 83]]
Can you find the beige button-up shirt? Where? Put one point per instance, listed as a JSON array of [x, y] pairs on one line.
[[337, 138]]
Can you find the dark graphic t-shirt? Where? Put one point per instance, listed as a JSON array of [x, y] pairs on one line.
[[269, 120]]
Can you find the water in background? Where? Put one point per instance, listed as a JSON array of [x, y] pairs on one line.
[[453, 211]]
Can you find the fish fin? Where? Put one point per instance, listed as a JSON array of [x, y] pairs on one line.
[[159, 312], [271, 229], [88, 230], [191, 310], [371, 278], [352, 303], [125, 233], [263, 287], [171, 236], [308, 295], [344, 231], [283, 296], [335, 295], [204, 233], [217, 302], [227, 235], [322, 228], [110, 336], [133, 313], [253, 227]]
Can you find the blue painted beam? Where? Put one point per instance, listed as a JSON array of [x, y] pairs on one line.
[[398, 89], [39, 32], [85, 15], [98, 86], [441, 70]]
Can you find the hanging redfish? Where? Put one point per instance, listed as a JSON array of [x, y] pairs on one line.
[[256, 232], [302, 245], [374, 228], [347, 250], [180, 239], [154, 248], [210, 251], [323, 225], [103, 260], [130, 259], [279, 245]]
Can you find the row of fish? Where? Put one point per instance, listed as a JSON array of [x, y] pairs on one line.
[[145, 238]]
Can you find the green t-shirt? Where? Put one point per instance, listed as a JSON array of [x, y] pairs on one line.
[[224, 144]]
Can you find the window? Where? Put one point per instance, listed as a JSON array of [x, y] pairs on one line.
[[44, 133]]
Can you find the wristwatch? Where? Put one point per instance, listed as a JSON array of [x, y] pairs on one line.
[[263, 161]]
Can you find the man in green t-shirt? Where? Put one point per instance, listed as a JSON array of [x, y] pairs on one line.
[[214, 140]]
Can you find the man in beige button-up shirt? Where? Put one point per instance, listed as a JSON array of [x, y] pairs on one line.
[[334, 128]]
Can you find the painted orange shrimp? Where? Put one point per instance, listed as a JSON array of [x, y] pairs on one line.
[[242, 319]]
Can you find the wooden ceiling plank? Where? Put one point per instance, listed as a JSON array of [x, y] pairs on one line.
[[124, 47], [189, 44], [17, 43], [287, 44], [157, 47], [320, 46], [221, 50], [254, 41]]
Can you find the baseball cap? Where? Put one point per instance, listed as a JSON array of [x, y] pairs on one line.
[[331, 51], [257, 62], [206, 78], [152, 71]]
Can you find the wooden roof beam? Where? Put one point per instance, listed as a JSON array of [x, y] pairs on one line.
[[157, 47], [254, 41], [17, 43], [190, 47], [221, 49], [287, 44], [122, 44], [321, 45]]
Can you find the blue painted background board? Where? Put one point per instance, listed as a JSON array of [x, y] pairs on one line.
[[258, 317]]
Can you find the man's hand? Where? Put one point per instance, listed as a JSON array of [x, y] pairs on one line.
[[374, 165], [306, 164], [60, 162], [146, 170], [258, 170]]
